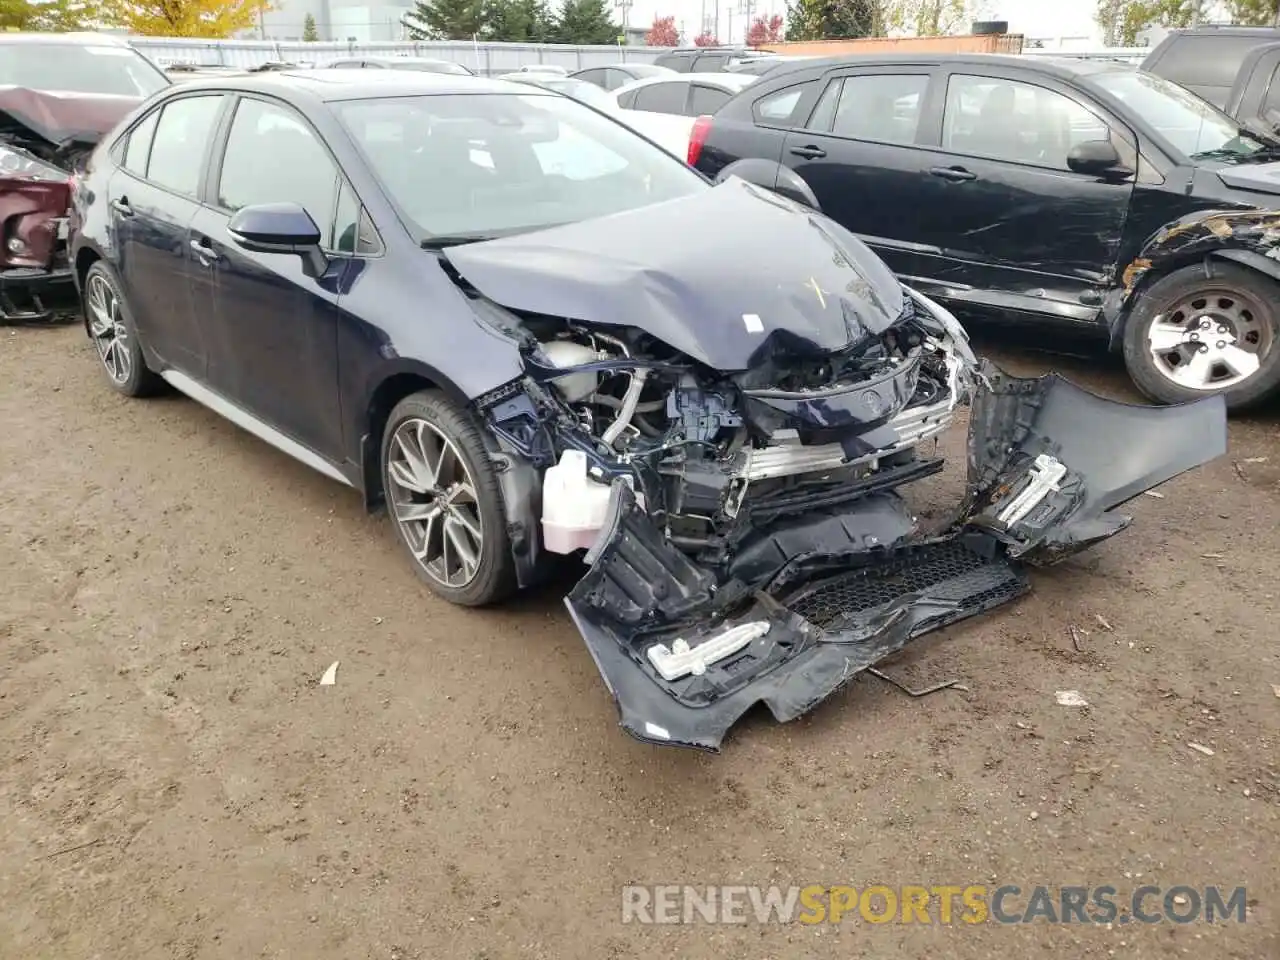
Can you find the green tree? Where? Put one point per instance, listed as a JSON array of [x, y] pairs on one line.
[[1122, 20], [586, 21], [518, 21], [445, 19], [47, 15], [1254, 13], [927, 18], [834, 19], [309, 31]]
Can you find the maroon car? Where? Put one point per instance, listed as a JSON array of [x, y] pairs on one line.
[[59, 93]]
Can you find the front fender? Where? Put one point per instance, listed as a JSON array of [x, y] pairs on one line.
[[1249, 237], [772, 176]]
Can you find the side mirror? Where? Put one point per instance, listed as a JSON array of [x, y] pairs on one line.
[[1096, 157], [279, 228]]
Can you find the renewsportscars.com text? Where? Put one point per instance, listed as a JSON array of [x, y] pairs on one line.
[[933, 904]]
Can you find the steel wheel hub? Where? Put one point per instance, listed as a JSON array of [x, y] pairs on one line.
[[1211, 340], [432, 496], [106, 327]]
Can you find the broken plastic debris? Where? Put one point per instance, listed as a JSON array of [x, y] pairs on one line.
[[1275, 688], [1071, 698], [1254, 460], [1201, 748], [680, 659], [1211, 556], [330, 676], [1102, 622], [1153, 493]]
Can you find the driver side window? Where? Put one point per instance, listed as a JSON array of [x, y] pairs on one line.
[[1018, 122], [273, 156]]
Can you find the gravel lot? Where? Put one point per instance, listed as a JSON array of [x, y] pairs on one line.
[[175, 783]]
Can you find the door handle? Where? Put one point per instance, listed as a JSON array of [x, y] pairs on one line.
[[809, 152], [954, 174], [122, 207], [203, 250]]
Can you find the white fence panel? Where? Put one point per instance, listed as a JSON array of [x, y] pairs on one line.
[[487, 58]]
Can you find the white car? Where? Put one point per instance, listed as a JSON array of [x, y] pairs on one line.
[[664, 108]]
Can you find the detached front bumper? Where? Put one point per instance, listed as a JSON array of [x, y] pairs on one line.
[[810, 601], [32, 294]]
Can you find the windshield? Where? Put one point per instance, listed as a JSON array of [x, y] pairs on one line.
[[1193, 126], [484, 165], [588, 93], [121, 71]]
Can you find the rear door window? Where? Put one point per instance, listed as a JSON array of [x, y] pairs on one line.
[[613, 79], [882, 107], [596, 76], [710, 62], [139, 147], [704, 99], [668, 96], [1206, 61], [181, 141]]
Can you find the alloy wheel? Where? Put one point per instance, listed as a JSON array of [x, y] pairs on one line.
[[432, 496], [1210, 340], [106, 327]]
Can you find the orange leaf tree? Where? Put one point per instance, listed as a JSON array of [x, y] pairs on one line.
[[765, 30], [214, 19], [663, 33], [705, 39]]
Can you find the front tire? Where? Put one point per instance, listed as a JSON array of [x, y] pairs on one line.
[[114, 334], [1191, 336], [444, 501]]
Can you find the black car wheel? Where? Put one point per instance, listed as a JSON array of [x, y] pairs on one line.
[[1191, 336], [443, 496], [114, 336]]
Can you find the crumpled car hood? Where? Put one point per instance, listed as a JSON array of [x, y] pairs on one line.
[[63, 117], [693, 273]]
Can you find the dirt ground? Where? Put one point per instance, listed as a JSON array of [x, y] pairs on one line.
[[175, 784]]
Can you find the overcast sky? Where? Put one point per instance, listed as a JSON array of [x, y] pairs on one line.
[[1033, 18]]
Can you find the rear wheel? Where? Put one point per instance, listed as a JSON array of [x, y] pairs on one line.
[[1191, 336], [115, 338], [443, 497]]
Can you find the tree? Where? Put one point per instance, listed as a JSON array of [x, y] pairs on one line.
[[444, 19], [764, 30], [587, 22], [926, 18], [1123, 20], [834, 19], [1253, 13], [309, 31], [705, 39], [50, 15], [663, 33], [517, 21], [212, 19]]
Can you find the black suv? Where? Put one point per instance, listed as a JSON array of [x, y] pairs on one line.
[[1085, 194]]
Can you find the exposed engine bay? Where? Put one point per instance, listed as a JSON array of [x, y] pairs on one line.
[[746, 539], [706, 452], [724, 427]]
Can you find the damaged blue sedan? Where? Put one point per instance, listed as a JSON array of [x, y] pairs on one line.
[[527, 331]]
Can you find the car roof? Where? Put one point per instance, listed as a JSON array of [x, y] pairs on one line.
[[394, 59], [81, 39], [336, 84], [1064, 67]]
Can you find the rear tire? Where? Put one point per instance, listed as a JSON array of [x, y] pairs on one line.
[[1190, 336], [444, 501], [110, 325]]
